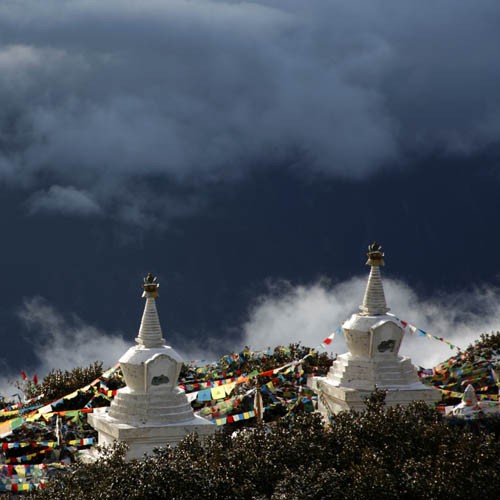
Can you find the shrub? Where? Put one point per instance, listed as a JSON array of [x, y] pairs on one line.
[[397, 452], [58, 383]]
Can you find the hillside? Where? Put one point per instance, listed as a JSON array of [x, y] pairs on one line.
[[44, 437]]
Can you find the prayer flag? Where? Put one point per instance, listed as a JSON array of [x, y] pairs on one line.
[[192, 396], [20, 470], [205, 395], [229, 387], [218, 392], [330, 337]]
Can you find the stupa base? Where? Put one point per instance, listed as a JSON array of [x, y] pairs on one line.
[[336, 398], [143, 439]]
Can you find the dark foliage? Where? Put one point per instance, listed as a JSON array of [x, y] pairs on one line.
[[59, 383], [487, 345], [410, 452], [247, 361]]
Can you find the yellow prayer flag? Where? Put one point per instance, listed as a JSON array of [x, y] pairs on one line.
[[9, 413], [228, 388], [72, 395], [218, 392], [20, 470]]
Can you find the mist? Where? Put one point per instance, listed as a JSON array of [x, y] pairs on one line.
[[309, 313], [286, 313], [61, 341]]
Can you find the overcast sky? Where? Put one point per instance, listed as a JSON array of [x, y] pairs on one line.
[[94, 94], [230, 144]]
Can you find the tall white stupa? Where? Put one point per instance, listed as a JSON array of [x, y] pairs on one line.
[[373, 338], [151, 411]]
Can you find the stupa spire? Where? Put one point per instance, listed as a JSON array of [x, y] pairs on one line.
[[150, 334], [374, 300]]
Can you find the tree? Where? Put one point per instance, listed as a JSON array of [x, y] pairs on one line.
[[396, 452]]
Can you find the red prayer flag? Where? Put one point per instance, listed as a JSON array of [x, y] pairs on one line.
[[23, 374]]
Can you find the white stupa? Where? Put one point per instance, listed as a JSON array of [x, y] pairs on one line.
[[471, 408], [151, 411], [373, 338]]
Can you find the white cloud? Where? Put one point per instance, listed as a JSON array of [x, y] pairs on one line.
[[310, 313], [62, 342], [64, 199]]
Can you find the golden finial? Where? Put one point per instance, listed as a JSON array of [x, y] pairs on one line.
[[375, 255], [150, 286]]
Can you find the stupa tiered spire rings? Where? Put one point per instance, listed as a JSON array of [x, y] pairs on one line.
[[150, 333], [374, 300]]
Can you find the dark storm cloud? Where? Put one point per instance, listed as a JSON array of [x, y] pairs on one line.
[[94, 94]]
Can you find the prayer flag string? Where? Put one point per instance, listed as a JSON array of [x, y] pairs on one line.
[[422, 333]]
